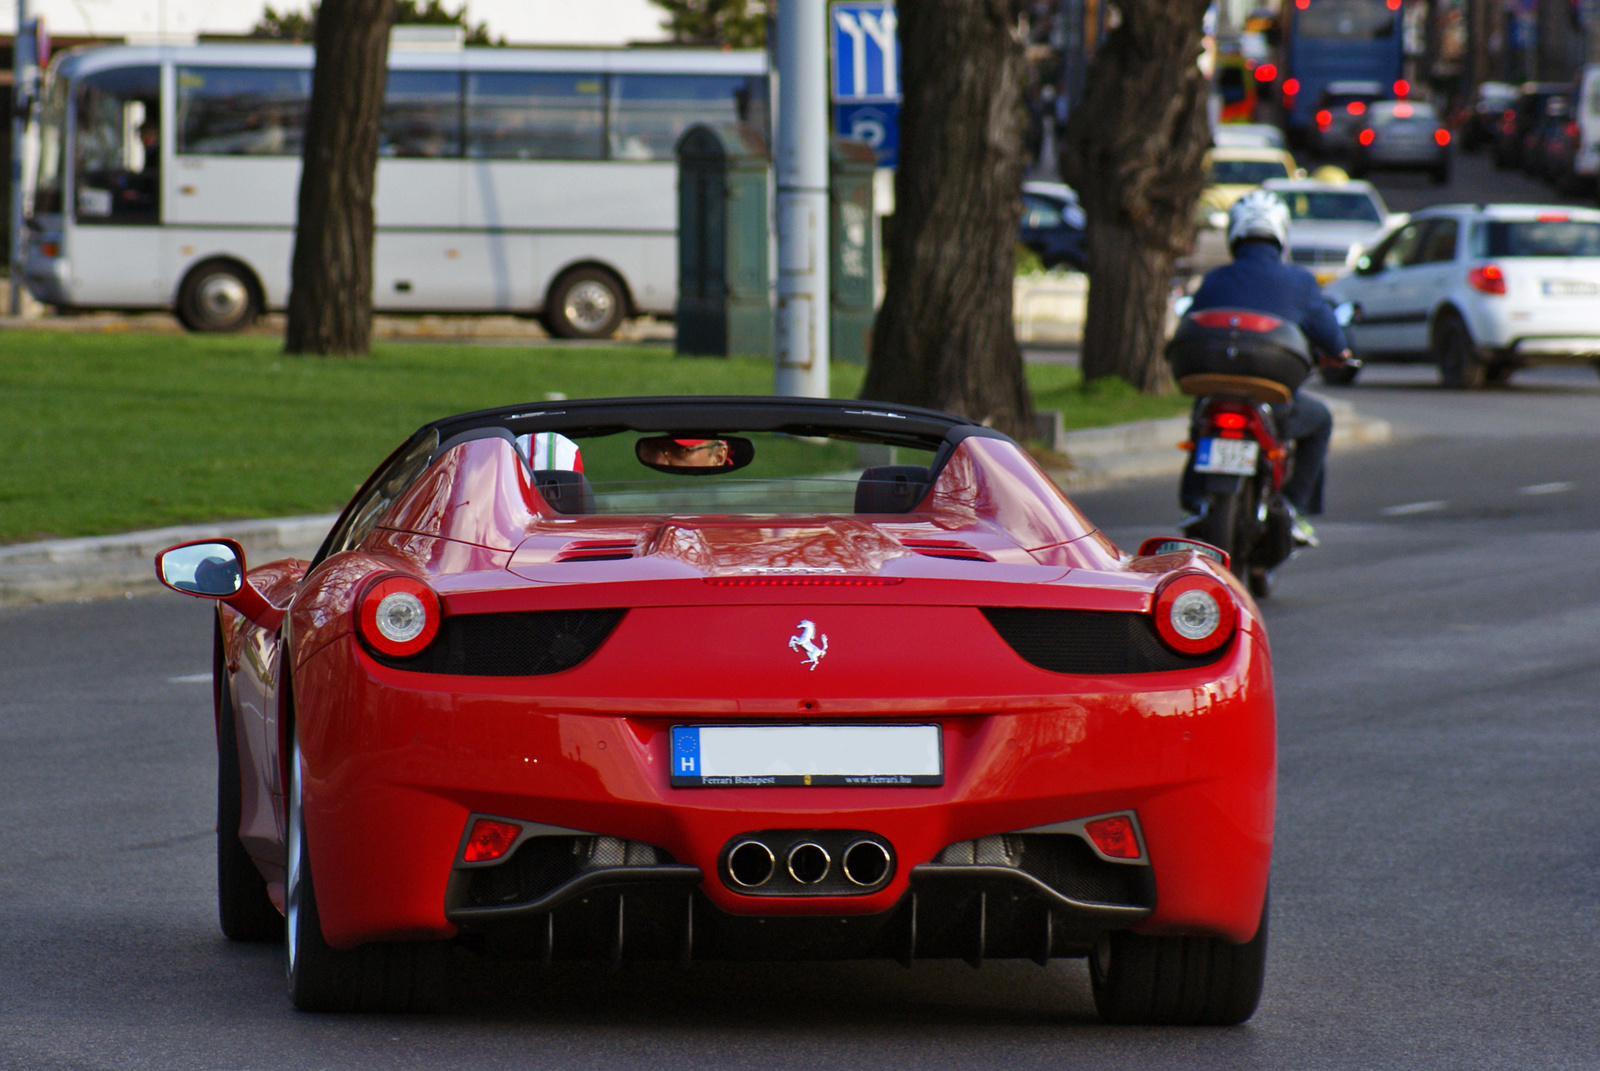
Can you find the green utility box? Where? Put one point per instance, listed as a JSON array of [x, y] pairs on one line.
[[853, 244], [724, 303]]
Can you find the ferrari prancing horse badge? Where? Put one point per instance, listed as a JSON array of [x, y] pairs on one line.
[[806, 640]]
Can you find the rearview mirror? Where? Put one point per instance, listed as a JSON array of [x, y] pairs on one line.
[[688, 456], [212, 570]]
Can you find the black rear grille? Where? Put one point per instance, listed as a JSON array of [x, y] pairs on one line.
[[524, 644], [1090, 641], [544, 864], [1064, 862]]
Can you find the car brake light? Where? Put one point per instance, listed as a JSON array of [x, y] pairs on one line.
[[1402, 88], [1487, 279], [1114, 836], [1572, 130], [1402, 111], [489, 840], [1356, 107], [1245, 321], [1302, 4], [1266, 72], [1291, 87], [1554, 217], [1394, 5], [1324, 118], [1366, 136], [1442, 136], [399, 616], [1195, 614]]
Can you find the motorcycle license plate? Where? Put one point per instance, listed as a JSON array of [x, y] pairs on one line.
[[1236, 457]]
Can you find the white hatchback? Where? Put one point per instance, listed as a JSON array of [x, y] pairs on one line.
[[1479, 290]]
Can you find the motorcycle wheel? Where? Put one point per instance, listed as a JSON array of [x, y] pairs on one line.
[[1228, 523]]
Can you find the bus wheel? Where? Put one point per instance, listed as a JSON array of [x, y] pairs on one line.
[[217, 296], [587, 303]]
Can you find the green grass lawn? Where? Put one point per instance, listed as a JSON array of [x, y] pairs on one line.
[[111, 433]]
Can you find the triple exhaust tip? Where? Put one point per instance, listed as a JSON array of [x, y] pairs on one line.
[[751, 864]]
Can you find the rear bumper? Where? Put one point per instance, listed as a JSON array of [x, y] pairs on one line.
[[1576, 349], [396, 763]]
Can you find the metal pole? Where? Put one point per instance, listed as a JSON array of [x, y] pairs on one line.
[[800, 328], [20, 85]]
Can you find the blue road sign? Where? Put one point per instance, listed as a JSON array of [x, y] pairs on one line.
[[876, 124], [866, 52]]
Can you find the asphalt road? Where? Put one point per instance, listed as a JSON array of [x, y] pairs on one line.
[[1436, 871]]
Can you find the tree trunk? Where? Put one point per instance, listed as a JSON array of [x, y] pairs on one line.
[[330, 288], [944, 337], [1134, 150]]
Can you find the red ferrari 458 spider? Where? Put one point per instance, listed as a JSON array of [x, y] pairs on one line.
[[676, 678]]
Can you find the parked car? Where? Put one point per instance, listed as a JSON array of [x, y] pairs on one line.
[[1518, 117], [1339, 111], [1327, 220], [1052, 225], [1542, 135], [1586, 154], [697, 701], [1479, 290], [1401, 135], [1489, 103]]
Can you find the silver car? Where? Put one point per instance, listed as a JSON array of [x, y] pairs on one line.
[[1402, 135], [1328, 220]]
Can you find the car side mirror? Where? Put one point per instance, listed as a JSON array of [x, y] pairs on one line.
[[214, 569], [1173, 545], [1345, 313], [1365, 265]]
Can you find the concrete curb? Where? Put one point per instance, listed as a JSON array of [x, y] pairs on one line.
[[100, 567]]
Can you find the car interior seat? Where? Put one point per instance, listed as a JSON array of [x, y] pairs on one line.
[[891, 488], [564, 490]]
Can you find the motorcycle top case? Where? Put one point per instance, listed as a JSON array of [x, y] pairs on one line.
[[1240, 343]]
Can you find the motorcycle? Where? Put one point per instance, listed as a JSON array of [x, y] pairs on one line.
[[1240, 363]]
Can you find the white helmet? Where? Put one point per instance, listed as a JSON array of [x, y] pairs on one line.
[[1258, 214]]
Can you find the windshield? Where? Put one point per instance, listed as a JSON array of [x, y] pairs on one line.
[[1330, 206], [1345, 20], [1537, 238], [52, 146], [1246, 172]]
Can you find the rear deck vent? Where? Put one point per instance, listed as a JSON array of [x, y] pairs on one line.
[[953, 549], [1098, 642], [526, 644], [598, 550]]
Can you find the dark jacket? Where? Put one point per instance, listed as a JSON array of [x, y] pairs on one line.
[[1260, 281]]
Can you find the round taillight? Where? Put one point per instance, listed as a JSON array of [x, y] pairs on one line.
[[399, 615], [1195, 614]]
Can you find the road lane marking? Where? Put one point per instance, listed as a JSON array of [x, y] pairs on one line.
[[192, 678], [1546, 488], [1412, 507]]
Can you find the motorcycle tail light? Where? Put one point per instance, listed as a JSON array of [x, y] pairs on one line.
[[1245, 321], [399, 616], [1114, 836], [1195, 614], [1231, 421], [1366, 137], [489, 840], [1442, 136], [1487, 279]]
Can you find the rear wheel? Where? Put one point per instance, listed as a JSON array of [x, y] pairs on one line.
[[1178, 981], [1228, 523], [586, 303], [243, 906], [217, 296], [379, 977], [1461, 363]]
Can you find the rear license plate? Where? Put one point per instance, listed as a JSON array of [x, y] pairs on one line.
[[1570, 288], [755, 755], [1234, 456]]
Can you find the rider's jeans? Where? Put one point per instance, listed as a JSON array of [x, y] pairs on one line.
[[1308, 423]]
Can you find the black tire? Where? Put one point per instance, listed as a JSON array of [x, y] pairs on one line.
[[1339, 375], [1498, 373], [391, 977], [1227, 525], [586, 303], [1260, 581], [1178, 981], [217, 296], [243, 906], [1461, 362]]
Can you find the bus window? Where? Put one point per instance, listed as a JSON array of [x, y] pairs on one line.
[[535, 115], [52, 145], [1343, 20], [649, 112], [118, 159], [242, 111], [421, 115]]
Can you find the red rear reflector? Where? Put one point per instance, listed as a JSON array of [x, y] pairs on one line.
[[1324, 118], [1442, 136], [1266, 72], [1554, 217], [1488, 279], [1230, 420], [1291, 87], [490, 840], [1244, 321], [1402, 88], [1114, 836], [1366, 136], [802, 581], [1356, 107]]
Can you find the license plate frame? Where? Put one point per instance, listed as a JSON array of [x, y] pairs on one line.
[[1570, 288], [1231, 457], [808, 755]]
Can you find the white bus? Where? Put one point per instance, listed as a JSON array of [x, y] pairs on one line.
[[529, 181]]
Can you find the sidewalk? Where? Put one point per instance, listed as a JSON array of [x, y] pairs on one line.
[[102, 567]]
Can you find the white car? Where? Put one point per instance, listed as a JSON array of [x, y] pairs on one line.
[[1480, 290]]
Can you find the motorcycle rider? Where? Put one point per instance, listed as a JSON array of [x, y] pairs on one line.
[[1259, 280]]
